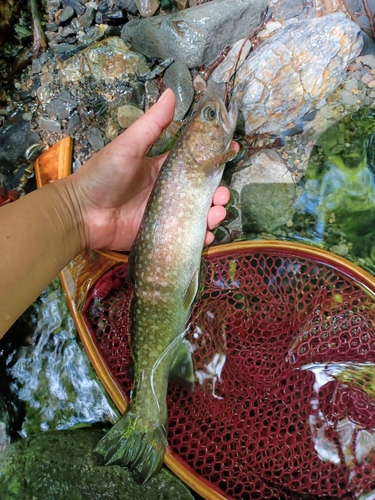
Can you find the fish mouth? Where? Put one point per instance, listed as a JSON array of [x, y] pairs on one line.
[[228, 118]]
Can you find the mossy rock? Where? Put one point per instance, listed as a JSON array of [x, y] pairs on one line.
[[61, 465]]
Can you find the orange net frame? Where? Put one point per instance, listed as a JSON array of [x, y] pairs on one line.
[[284, 355]]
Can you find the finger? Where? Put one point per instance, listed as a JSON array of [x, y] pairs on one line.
[[147, 129], [216, 214], [221, 196], [209, 238], [234, 145]]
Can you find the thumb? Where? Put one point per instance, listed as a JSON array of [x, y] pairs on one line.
[[147, 129]]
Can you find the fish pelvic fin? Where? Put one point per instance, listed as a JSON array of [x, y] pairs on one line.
[[182, 369], [135, 443]]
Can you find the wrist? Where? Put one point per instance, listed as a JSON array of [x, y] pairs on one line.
[[66, 216]]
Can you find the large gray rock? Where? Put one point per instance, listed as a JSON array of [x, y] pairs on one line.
[[197, 35], [289, 74]]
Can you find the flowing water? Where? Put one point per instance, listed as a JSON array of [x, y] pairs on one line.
[[52, 380]]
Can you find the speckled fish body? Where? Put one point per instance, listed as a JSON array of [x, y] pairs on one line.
[[165, 264]]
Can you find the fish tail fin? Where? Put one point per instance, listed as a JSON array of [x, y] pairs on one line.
[[136, 444]]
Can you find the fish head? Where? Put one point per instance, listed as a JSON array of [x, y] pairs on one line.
[[209, 132]]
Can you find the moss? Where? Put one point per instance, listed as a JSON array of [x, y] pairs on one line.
[[61, 465]]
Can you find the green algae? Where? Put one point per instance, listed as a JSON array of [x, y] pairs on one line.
[[61, 465]]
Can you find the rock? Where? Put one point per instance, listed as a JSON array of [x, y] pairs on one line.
[[128, 114], [147, 8], [197, 35], [74, 125], [61, 465], [128, 5], [178, 78], [95, 138], [152, 94], [138, 94], [232, 62], [181, 4], [200, 84], [44, 93], [111, 131], [295, 69], [108, 59], [60, 108], [49, 125], [66, 14], [88, 17], [15, 138], [263, 178], [285, 9]]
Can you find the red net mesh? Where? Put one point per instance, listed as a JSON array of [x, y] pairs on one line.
[[284, 402]]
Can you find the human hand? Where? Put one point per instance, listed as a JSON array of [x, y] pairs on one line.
[[114, 185]]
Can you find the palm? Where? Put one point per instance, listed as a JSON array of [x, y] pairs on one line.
[[114, 185]]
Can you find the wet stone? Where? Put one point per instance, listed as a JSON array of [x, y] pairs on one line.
[[66, 14], [147, 7], [95, 138], [151, 94], [43, 93], [103, 6], [138, 95], [59, 108], [36, 66], [196, 35], [88, 17], [178, 78], [49, 125], [128, 114], [128, 5]]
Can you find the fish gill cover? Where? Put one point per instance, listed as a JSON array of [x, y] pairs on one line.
[[284, 357]]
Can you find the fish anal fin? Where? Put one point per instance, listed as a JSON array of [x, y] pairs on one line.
[[191, 291], [182, 370]]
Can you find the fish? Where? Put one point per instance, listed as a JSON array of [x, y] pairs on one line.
[[164, 268]]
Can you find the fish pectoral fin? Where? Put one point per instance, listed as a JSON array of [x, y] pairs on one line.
[[191, 291], [220, 159], [182, 370]]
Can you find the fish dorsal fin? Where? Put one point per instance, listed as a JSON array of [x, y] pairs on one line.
[[182, 370], [191, 292], [219, 160]]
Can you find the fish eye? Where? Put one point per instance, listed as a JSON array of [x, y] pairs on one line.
[[209, 113]]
